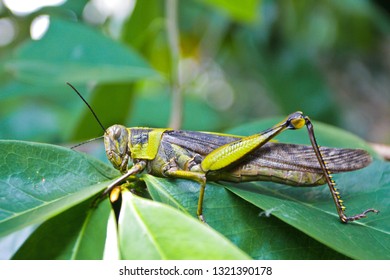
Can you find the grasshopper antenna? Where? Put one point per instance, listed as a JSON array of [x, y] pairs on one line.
[[85, 142], [82, 98]]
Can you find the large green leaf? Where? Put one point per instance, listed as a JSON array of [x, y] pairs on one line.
[[258, 235], [150, 230], [38, 181], [83, 56], [313, 211]]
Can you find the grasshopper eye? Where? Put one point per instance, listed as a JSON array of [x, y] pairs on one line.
[[117, 132]]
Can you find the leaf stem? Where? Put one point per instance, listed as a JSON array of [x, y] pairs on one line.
[[173, 38]]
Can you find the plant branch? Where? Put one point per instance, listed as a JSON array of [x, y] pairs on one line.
[[173, 38], [382, 149]]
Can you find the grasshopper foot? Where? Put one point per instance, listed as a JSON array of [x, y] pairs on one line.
[[346, 219], [202, 219]]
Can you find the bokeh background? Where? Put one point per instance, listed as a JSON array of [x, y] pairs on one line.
[[238, 61]]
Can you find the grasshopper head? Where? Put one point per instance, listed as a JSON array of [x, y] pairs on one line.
[[116, 144]]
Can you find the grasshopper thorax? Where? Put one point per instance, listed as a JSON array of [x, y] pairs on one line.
[[116, 140]]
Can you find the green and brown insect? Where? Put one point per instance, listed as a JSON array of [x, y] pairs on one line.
[[206, 156]]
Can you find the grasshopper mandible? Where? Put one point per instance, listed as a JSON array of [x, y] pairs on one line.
[[205, 156]]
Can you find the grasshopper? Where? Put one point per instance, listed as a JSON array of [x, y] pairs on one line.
[[206, 156]]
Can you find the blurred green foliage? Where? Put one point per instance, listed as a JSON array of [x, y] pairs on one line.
[[240, 61]]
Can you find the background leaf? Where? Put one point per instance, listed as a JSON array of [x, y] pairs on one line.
[[87, 56], [121, 95], [245, 11]]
